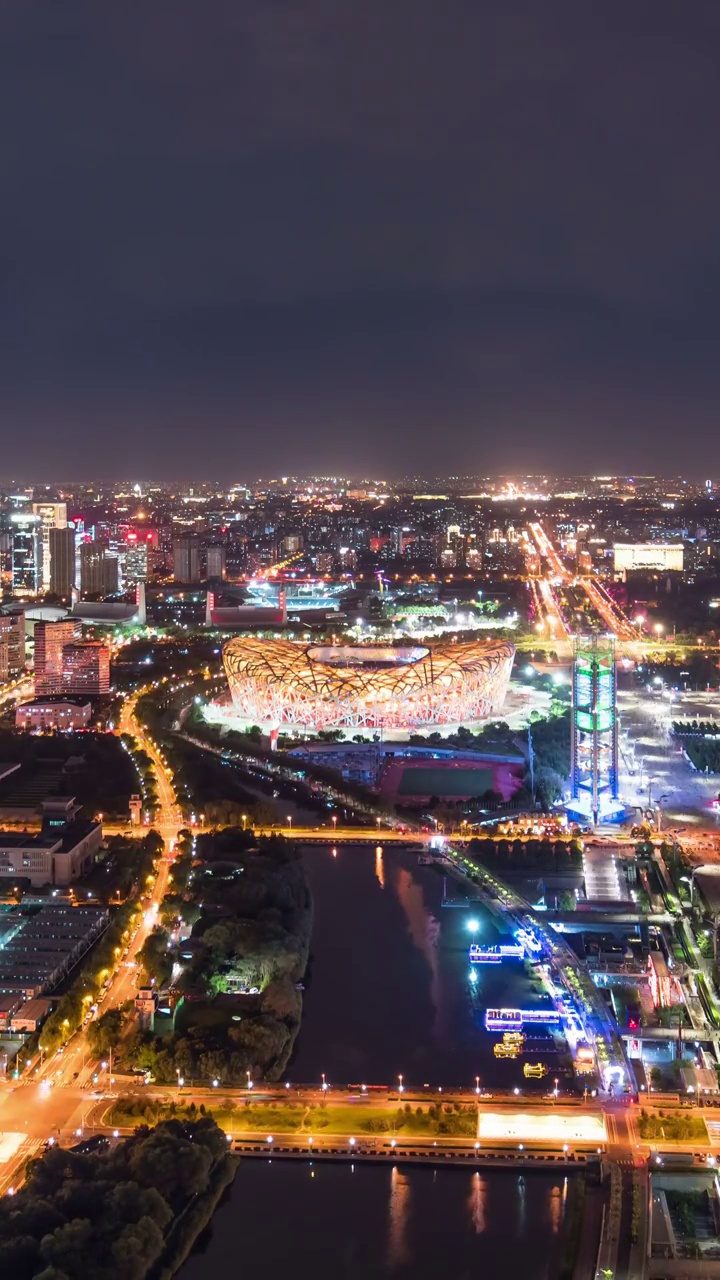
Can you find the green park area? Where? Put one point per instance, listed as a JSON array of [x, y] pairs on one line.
[[345, 1118], [230, 948], [675, 1126]]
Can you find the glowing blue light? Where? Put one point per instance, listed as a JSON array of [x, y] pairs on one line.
[[473, 925]]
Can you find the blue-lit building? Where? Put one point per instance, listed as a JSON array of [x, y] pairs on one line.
[[594, 793]]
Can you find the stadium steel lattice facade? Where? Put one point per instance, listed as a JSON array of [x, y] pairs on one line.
[[282, 682]]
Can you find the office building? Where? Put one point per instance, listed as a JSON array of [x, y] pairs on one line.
[[660, 556], [86, 669], [50, 515], [186, 560], [61, 554], [50, 639], [25, 554], [61, 714], [215, 561], [99, 570], [12, 644], [135, 568]]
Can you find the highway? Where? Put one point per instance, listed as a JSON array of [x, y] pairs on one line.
[[56, 1095], [603, 605]]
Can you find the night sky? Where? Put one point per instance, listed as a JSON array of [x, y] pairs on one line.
[[384, 237]]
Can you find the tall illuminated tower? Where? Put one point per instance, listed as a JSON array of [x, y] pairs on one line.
[[594, 749]]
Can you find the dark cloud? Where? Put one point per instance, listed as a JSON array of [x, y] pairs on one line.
[[289, 233]]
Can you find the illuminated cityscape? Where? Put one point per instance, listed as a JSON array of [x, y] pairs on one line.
[[360, 642], [512, 683]]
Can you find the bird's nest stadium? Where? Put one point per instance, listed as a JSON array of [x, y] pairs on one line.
[[281, 682]]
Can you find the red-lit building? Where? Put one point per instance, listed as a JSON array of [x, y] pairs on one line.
[[50, 641], [86, 669]]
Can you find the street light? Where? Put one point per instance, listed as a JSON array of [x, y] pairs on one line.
[[401, 1088], [289, 820], [477, 1084]]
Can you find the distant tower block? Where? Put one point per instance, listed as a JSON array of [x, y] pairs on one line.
[[594, 746], [135, 810]]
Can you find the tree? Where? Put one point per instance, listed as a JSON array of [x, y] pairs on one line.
[[128, 1202], [154, 958], [69, 1247], [105, 1033], [171, 1163]]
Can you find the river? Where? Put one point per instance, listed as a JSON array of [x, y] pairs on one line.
[[339, 1222], [389, 992], [390, 989]]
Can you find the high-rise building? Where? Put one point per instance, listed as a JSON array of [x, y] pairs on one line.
[[12, 644], [50, 640], [61, 552], [86, 669], [186, 560], [51, 515], [25, 554], [215, 560], [99, 570], [136, 560]]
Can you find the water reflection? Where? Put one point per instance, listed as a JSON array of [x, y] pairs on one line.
[[477, 1202], [556, 1206], [522, 1205], [424, 927], [374, 1222], [398, 1217], [380, 866]]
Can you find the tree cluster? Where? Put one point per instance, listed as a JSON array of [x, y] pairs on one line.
[[106, 1216], [121, 869], [250, 907]]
